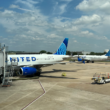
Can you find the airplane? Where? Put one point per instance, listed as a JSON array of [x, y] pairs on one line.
[[30, 64], [92, 58]]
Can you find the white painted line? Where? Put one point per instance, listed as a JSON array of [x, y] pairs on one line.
[[9, 97], [51, 87], [41, 86], [18, 99], [36, 98], [39, 96]]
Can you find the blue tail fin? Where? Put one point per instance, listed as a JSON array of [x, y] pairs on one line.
[[62, 49], [108, 54]]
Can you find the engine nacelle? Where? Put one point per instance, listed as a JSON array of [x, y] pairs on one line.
[[25, 71], [79, 59]]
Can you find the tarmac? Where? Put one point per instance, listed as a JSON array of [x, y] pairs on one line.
[[52, 91]]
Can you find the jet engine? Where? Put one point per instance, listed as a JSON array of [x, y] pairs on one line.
[[81, 60], [27, 71]]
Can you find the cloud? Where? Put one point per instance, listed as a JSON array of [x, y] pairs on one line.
[[106, 7], [28, 3], [26, 29], [72, 29], [94, 19], [66, 0], [32, 27], [75, 41], [87, 33], [91, 35], [59, 8], [62, 8], [54, 36], [91, 5], [1, 7], [14, 6]]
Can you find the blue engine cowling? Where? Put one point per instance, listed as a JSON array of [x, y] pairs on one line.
[[25, 71], [79, 59]]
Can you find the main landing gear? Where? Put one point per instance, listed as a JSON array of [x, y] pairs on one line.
[[38, 72], [87, 61], [92, 61], [1, 79]]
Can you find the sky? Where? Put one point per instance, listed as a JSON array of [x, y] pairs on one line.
[[34, 25]]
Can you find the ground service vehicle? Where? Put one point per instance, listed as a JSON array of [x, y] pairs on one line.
[[101, 78]]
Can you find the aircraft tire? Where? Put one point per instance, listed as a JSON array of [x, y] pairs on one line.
[[92, 61], [38, 73], [87, 61], [0, 79]]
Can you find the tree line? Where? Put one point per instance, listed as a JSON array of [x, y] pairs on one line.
[[80, 53], [67, 52]]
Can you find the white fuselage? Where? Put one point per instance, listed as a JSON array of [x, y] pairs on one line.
[[92, 57], [39, 59]]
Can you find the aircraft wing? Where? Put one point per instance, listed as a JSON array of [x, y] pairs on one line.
[[61, 62], [86, 58], [21, 65]]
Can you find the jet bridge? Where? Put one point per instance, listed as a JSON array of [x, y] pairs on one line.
[[1, 65], [6, 71]]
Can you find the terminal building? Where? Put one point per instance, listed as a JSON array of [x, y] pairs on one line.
[[81, 52], [85, 53], [23, 52]]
